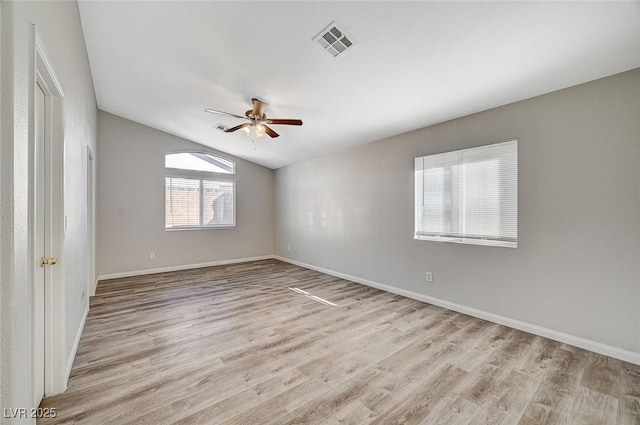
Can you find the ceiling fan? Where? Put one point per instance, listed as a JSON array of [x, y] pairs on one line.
[[257, 120]]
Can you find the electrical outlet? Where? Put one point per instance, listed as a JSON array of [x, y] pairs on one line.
[[288, 247], [429, 277], [152, 256]]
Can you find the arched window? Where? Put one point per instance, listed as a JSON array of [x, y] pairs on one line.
[[198, 191], [199, 162]]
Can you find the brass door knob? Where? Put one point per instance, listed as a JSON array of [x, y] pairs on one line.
[[48, 261]]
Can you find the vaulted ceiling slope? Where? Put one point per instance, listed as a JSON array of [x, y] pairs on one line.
[[413, 64]]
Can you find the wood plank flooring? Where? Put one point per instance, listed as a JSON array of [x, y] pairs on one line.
[[237, 345]]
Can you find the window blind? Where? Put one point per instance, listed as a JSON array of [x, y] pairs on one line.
[[469, 196], [198, 203]]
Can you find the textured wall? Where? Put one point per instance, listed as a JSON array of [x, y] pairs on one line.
[[5, 136], [130, 214], [576, 268], [58, 27]]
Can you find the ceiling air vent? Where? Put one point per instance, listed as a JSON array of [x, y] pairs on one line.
[[221, 127], [334, 40]]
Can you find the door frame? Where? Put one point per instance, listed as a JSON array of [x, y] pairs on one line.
[[55, 379], [91, 222]]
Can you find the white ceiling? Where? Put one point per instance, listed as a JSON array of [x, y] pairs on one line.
[[415, 64]]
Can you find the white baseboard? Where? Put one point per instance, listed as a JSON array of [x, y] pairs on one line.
[[596, 347], [76, 342], [182, 267]]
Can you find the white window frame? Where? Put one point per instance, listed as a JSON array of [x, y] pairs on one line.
[[422, 234], [201, 176]]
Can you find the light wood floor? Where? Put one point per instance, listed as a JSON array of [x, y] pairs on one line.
[[235, 345]]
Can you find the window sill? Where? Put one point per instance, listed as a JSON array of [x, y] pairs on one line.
[[179, 229], [468, 241]]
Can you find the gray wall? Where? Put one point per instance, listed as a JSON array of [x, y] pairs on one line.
[[130, 208], [576, 269], [5, 125], [58, 24]]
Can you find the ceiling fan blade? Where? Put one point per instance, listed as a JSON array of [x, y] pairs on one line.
[[237, 127], [213, 111], [270, 131], [283, 121]]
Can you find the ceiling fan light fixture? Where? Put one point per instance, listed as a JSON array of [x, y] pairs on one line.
[[258, 121]]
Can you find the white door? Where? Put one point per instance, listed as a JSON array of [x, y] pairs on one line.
[[39, 246]]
